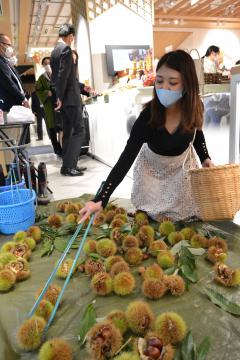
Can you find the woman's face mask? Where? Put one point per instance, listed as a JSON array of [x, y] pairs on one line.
[[168, 86], [168, 97]]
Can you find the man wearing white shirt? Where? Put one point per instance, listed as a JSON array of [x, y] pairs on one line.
[[11, 91]]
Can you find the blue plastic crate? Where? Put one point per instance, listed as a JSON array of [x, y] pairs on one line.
[[17, 210], [19, 185]]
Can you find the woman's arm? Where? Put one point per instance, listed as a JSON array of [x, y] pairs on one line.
[[201, 149]]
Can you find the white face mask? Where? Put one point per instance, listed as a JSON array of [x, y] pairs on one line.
[[8, 52], [48, 68], [13, 60]]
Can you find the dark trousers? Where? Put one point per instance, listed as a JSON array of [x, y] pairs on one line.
[[39, 126], [73, 135], [55, 143]]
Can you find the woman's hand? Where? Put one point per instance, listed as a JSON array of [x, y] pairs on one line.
[[89, 208], [208, 163]]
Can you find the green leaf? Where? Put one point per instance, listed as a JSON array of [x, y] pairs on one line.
[[170, 270], [177, 247], [125, 228], [187, 347], [220, 300], [96, 256], [66, 229], [189, 273], [75, 246], [47, 248], [87, 321], [203, 349], [134, 230], [197, 251], [186, 258], [60, 243]]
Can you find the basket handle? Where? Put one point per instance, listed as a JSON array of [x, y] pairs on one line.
[[199, 57], [190, 152]]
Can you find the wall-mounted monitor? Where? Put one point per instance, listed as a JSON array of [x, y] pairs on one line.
[[121, 57]]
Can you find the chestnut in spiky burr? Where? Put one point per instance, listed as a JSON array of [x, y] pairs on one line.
[[199, 241], [175, 284], [153, 271], [215, 254], [145, 235], [219, 243], [120, 266], [101, 284], [93, 267], [118, 318], [123, 283], [171, 327], [227, 276], [99, 219], [153, 288], [117, 235], [156, 246], [134, 256], [141, 218], [140, 317], [130, 241], [111, 260], [56, 349], [103, 340]]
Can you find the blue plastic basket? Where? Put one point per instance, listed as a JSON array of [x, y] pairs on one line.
[[19, 185], [17, 210]]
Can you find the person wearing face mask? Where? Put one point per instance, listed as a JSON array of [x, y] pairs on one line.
[[44, 93], [11, 91], [211, 59], [161, 139], [64, 82]]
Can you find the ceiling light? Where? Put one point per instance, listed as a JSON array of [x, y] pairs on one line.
[[215, 4], [194, 2], [229, 10], [176, 21]]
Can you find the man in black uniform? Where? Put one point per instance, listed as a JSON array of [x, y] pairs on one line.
[[68, 100]]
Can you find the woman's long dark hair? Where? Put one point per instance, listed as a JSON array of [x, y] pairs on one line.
[[212, 48], [190, 103]]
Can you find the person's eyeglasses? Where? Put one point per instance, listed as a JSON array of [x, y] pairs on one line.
[[6, 43]]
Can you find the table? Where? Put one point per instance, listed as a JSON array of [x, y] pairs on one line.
[[24, 131], [22, 140], [201, 316]]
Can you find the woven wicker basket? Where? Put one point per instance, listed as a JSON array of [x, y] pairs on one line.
[[217, 191]]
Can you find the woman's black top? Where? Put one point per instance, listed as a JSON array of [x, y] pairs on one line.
[[160, 141]]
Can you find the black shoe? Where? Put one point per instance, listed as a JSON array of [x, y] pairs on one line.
[[70, 172], [59, 154], [79, 168], [39, 139]]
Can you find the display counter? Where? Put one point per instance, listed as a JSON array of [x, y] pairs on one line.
[[109, 123]]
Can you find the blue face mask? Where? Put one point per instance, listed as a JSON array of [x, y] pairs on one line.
[[168, 97]]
